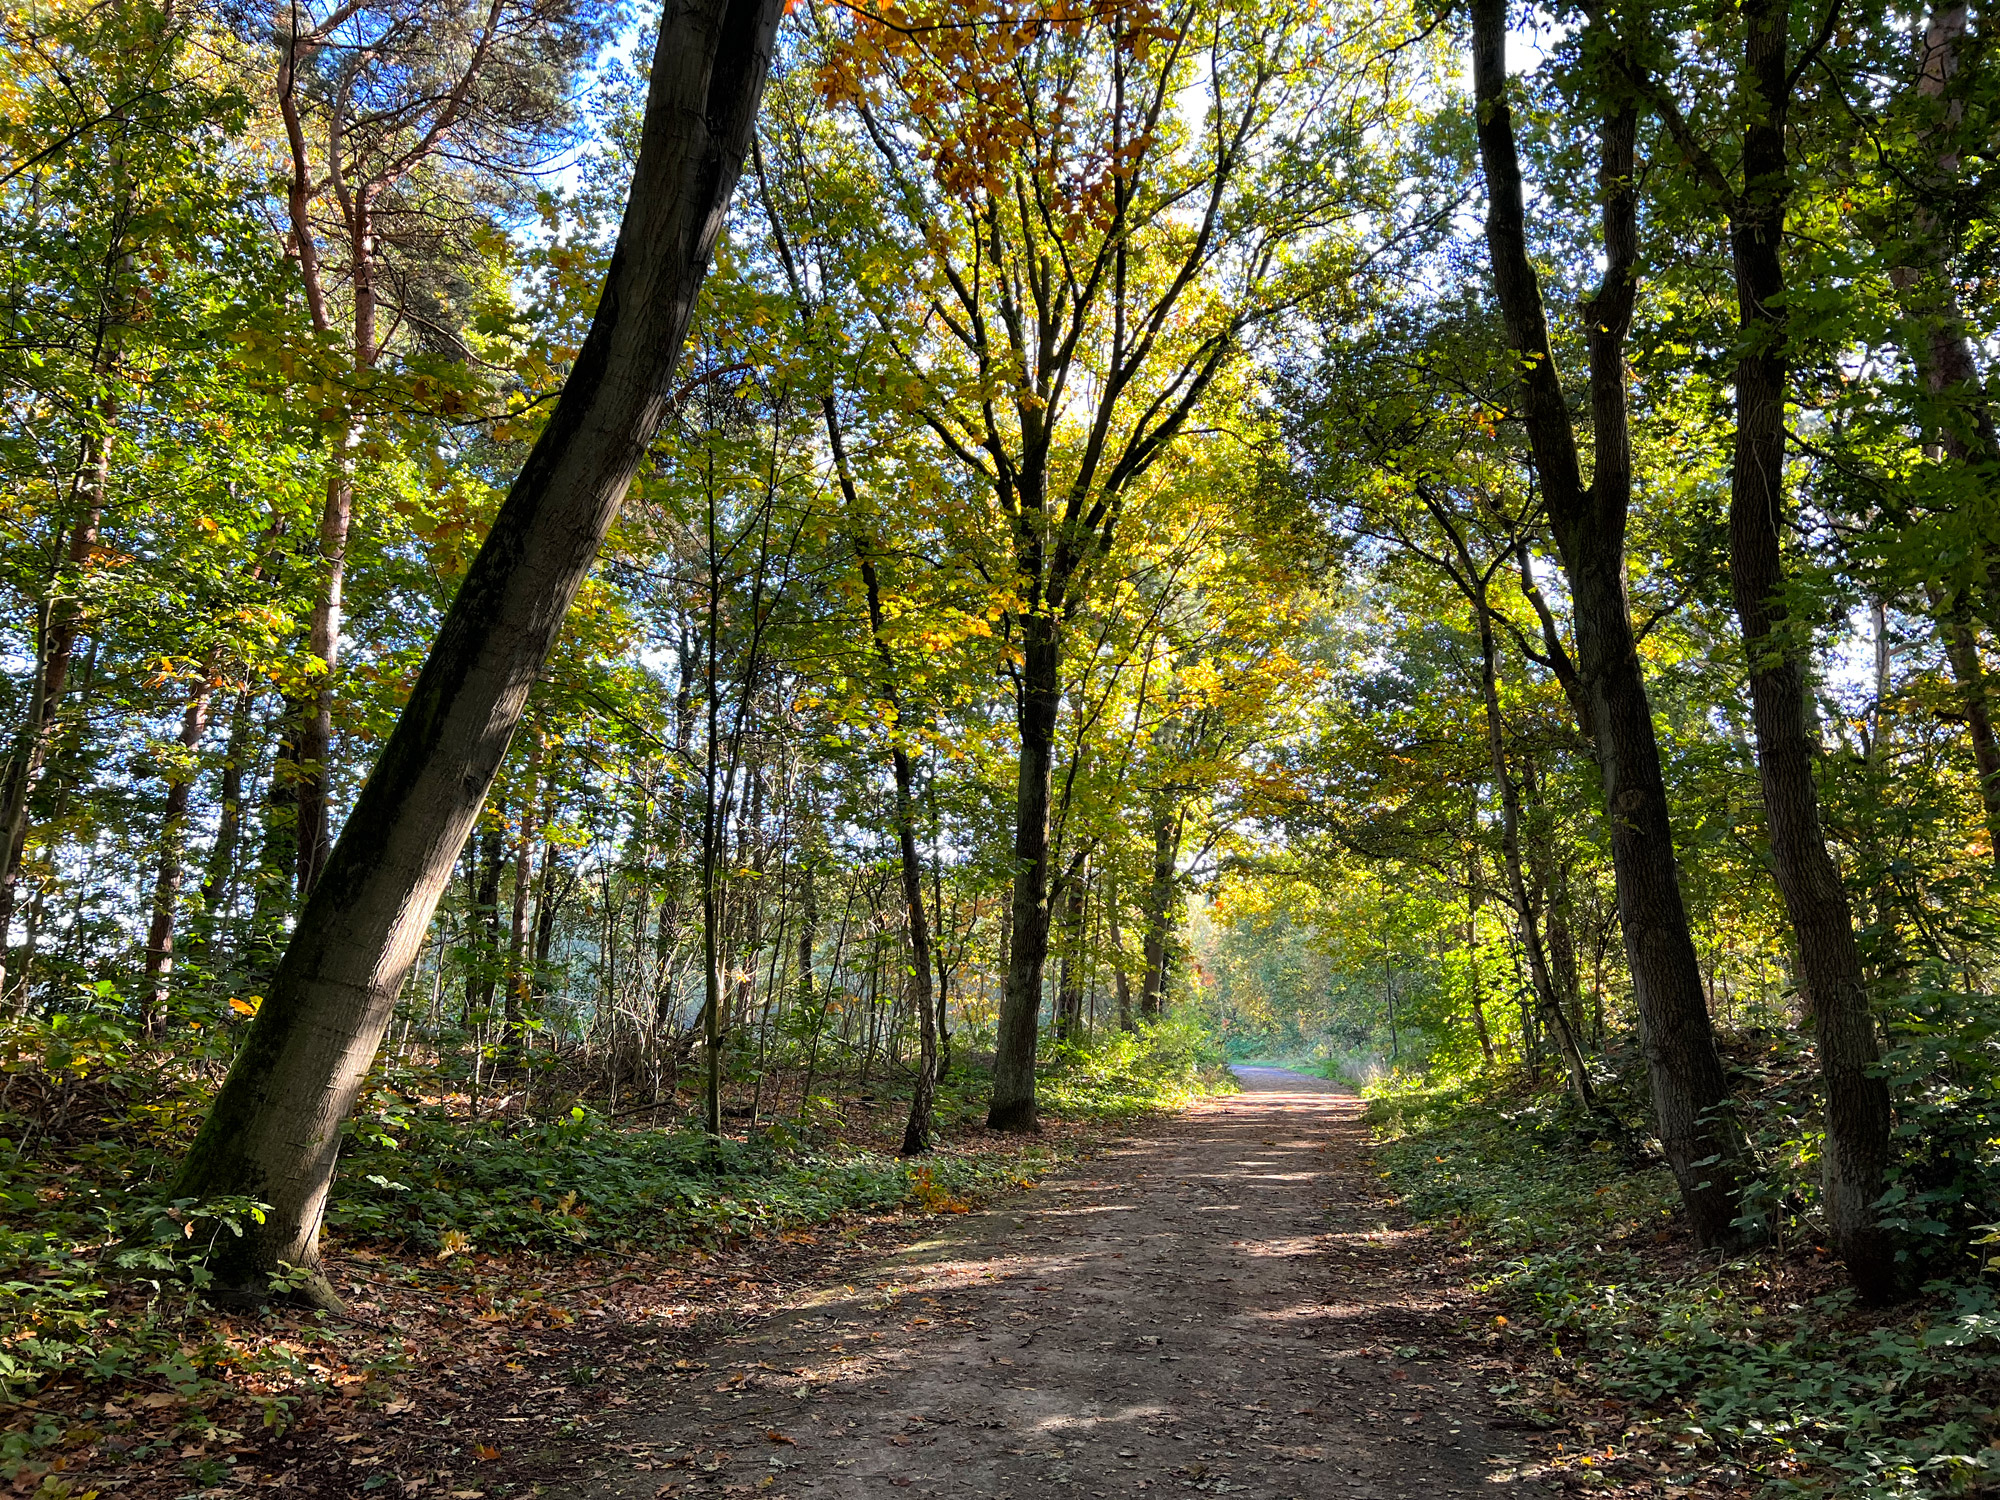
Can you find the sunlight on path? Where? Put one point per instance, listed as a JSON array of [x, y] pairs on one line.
[[1218, 1307]]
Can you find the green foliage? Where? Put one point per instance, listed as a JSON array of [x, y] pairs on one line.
[[1752, 1363], [1162, 1065], [547, 1187]]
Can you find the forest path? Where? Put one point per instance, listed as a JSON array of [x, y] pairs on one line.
[[1216, 1306]]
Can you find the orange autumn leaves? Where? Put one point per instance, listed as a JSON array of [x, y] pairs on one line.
[[1047, 99]]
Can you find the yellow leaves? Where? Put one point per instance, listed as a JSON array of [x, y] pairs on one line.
[[246, 1006], [933, 1197]]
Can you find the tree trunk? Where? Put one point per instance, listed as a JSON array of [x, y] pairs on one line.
[[1120, 976], [1013, 1106], [219, 874], [520, 970], [1968, 671], [57, 628], [1690, 1093], [1159, 913], [1069, 990], [1857, 1104], [1526, 907], [1473, 980], [482, 975], [173, 847], [274, 1128]]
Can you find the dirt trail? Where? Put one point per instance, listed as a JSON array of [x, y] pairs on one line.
[[1220, 1306]]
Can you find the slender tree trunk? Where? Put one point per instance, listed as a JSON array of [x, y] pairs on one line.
[[520, 971], [218, 883], [1120, 975], [1069, 991], [1472, 895], [1857, 1104], [1013, 1106], [1961, 648], [938, 940], [58, 626], [274, 1128], [1159, 912], [482, 976], [173, 848], [1690, 1092]]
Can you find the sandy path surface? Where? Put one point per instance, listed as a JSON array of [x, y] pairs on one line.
[[1218, 1306]]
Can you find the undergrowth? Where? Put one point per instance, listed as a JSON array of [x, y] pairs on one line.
[[1762, 1364], [101, 1277], [1163, 1065]]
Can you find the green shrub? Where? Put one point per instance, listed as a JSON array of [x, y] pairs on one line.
[[579, 1181], [1812, 1395], [1163, 1065]]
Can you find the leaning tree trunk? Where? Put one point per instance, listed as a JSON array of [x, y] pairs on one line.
[[1857, 1098], [1013, 1106], [275, 1126], [1690, 1093]]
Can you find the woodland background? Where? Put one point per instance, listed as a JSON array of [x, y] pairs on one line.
[[285, 301]]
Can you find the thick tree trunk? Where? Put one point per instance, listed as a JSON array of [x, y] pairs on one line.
[[1857, 1103], [1690, 1093], [1962, 421], [1013, 1106], [275, 1126]]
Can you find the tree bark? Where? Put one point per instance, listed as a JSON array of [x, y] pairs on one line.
[[1690, 1093], [275, 1126], [57, 628], [219, 873], [173, 847], [1013, 1104], [1962, 421], [1526, 908], [1474, 982], [520, 967], [1857, 1103], [1160, 892], [1069, 990]]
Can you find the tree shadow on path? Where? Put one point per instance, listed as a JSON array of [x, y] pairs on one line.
[[1223, 1305]]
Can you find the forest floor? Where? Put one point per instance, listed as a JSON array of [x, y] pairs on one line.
[[1221, 1303], [1222, 1300]]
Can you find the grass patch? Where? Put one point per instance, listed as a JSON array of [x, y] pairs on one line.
[[1761, 1365]]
